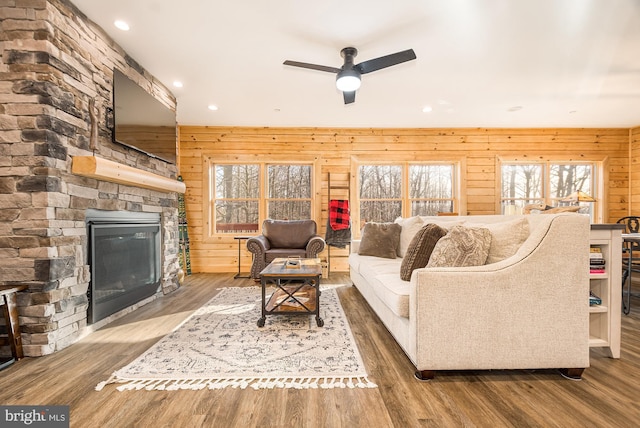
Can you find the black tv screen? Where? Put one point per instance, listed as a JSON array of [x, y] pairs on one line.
[[141, 121]]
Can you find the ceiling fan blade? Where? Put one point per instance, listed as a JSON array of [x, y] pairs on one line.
[[385, 61], [312, 66], [349, 97]]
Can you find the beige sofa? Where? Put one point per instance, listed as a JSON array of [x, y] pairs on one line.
[[528, 311]]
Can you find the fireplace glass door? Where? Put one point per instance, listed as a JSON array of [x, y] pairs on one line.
[[125, 265]]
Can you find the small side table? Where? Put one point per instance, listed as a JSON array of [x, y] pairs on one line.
[[10, 312], [240, 239]]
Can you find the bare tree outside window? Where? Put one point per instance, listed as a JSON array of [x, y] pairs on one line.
[[431, 189], [289, 189], [522, 184], [380, 193], [237, 192]]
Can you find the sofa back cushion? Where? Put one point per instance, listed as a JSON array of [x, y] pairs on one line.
[[410, 226], [380, 240], [288, 233], [420, 249], [506, 237], [462, 246]]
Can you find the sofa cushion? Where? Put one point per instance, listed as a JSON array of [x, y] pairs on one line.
[[410, 226], [382, 276], [506, 237], [380, 240], [420, 249], [462, 246]]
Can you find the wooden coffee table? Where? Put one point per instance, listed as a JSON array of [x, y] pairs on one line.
[[297, 289]]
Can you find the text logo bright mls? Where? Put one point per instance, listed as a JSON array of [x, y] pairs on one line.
[[34, 416]]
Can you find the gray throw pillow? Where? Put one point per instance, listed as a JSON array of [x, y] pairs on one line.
[[380, 240], [462, 246], [420, 249]]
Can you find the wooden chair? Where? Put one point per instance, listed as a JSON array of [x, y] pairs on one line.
[[10, 311], [630, 258]]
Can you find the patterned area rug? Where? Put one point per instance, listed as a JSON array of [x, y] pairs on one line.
[[221, 346]]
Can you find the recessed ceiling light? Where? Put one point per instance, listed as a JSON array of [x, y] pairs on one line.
[[427, 109], [177, 84], [121, 25], [212, 107]]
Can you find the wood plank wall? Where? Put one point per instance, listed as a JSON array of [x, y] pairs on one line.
[[479, 148], [634, 172]]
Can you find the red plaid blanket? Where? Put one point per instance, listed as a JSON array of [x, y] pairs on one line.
[[339, 214]]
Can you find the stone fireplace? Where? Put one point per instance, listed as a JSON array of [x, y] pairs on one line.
[[56, 73]]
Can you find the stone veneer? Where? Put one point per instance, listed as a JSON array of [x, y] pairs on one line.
[[53, 63]]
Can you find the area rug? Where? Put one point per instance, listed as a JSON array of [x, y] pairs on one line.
[[220, 345]]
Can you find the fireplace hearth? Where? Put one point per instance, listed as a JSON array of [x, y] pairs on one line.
[[124, 259]]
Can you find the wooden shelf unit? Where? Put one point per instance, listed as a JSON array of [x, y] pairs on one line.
[[605, 319]]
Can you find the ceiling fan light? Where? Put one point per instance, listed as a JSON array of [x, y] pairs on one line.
[[348, 81]]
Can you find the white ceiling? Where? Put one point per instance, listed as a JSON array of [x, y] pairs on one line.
[[557, 63]]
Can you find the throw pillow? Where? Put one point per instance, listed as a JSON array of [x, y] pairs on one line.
[[506, 238], [410, 226], [420, 249], [380, 240], [462, 246]]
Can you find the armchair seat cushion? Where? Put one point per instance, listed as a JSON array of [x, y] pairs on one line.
[[275, 253]]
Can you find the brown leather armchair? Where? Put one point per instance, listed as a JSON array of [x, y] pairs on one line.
[[284, 238]]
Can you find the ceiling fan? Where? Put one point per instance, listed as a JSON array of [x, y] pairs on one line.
[[348, 76]]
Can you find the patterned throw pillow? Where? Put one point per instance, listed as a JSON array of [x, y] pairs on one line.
[[420, 249], [380, 240], [462, 246]]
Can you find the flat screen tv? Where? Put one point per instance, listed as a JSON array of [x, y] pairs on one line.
[[141, 121]]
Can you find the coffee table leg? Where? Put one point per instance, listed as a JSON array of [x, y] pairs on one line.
[[262, 306]]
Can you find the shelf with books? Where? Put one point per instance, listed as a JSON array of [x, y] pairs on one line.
[[605, 283]]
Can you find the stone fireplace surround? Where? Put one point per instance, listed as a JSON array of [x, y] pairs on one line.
[[56, 70]]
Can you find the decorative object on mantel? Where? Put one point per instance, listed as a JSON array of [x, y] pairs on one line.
[[220, 346], [106, 170]]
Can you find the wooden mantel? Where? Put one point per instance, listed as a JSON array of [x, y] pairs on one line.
[[106, 170]]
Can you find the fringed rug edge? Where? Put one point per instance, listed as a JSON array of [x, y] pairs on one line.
[[315, 382]]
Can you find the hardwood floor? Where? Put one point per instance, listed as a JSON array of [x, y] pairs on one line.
[[607, 396]]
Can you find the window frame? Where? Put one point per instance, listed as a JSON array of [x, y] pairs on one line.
[[209, 198], [599, 177], [458, 185]]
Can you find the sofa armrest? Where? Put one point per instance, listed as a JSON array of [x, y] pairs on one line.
[[315, 246], [528, 311], [258, 244]]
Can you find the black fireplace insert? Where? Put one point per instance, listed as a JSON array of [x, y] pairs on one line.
[[124, 258]]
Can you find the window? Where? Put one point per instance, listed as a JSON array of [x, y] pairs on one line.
[[431, 189], [380, 192], [243, 195], [547, 183], [237, 197], [289, 192], [407, 189]]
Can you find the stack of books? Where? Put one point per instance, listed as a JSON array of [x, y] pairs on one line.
[[594, 300], [596, 260]]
